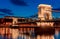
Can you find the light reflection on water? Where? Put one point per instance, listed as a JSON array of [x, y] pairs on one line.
[[27, 37], [57, 36], [21, 36]]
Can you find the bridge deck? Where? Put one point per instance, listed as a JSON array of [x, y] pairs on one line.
[[25, 26]]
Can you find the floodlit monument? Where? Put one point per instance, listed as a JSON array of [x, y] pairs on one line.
[[44, 14]]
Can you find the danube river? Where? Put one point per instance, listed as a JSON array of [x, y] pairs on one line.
[[23, 36]]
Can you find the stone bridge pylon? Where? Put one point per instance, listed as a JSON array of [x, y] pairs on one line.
[[45, 13]]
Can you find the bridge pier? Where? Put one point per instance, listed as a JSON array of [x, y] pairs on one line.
[[44, 13], [45, 33]]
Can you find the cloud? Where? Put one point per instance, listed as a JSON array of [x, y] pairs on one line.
[[6, 11], [2, 14], [19, 2]]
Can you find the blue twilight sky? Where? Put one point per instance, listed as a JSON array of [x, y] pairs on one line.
[[25, 8]]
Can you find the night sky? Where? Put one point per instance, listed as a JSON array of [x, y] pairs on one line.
[[25, 8]]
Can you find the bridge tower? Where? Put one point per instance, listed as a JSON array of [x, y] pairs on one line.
[[44, 14]]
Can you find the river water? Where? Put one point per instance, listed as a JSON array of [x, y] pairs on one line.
[[57, 36], [21, 36], [16, 34]]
